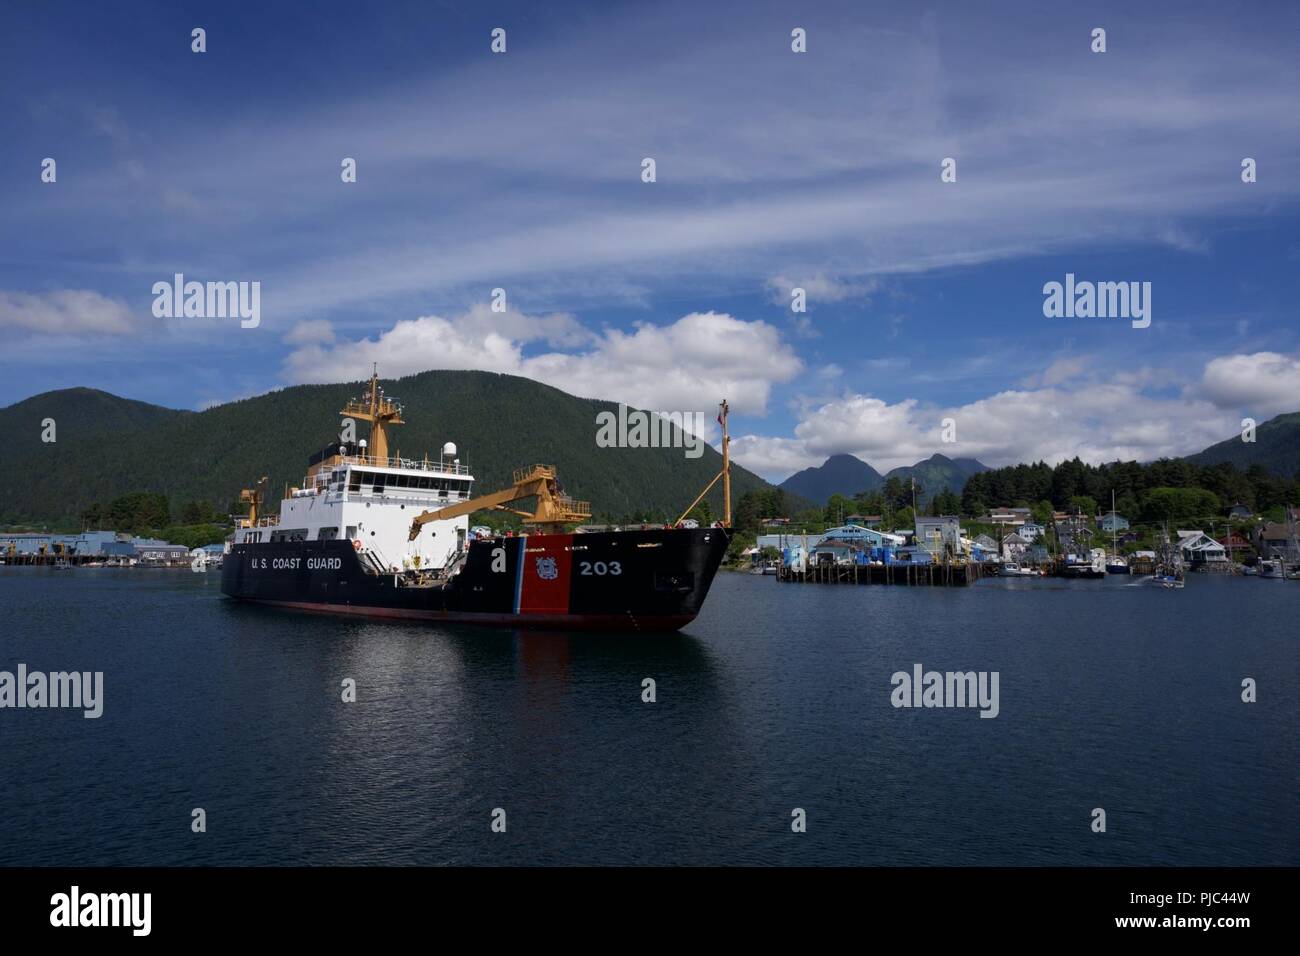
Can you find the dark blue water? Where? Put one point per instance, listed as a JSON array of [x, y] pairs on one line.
[[777, 697]]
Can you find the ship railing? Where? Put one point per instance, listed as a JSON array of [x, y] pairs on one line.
[[573, 506], [414, 464], [533, 472], [266, 521]]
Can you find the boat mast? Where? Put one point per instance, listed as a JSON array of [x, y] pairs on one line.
[[1114, 534], [725, 474], [723, 414], [381, 412]]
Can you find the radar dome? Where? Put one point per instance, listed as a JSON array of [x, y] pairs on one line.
[[449, 450]]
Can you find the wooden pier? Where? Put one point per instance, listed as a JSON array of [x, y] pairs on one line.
[[956, 574]]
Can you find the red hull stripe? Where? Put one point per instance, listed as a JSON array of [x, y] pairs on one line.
[[547, 566], [600, 622]]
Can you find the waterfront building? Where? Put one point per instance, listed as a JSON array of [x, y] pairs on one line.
[[1113, 521], [1277, 539], [1031, 531], [1014, 546], [940, 534], [1197, 547]]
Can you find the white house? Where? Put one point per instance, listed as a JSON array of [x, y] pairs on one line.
[[1031, 531], [1014, 546], [1197, 547]]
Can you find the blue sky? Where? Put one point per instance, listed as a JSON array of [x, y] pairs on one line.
[[820, 170]]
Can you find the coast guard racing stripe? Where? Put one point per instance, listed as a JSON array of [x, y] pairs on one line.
[[547, 570]]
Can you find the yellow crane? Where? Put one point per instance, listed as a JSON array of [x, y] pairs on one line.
[[553, 510]]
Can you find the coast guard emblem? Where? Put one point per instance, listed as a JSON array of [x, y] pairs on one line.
[[546, 569]]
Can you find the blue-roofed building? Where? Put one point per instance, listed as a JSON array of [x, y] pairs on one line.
[[862, 536], [1112, 521]]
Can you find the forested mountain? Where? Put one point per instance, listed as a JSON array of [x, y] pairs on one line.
[[838, 474], [107, 446], [1276, 447], [937, 473]]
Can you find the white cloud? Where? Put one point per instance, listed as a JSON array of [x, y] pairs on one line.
[[686, 365], [1263, 383], [1095, 420], [64, 311]]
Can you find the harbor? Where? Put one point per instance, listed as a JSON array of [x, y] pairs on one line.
[[942, 551], [104, 549]]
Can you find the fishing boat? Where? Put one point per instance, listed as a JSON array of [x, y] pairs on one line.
[[1272, 568], [62, 564], [1091, 565], [380, 535], [1169, 571], [1013, 570]]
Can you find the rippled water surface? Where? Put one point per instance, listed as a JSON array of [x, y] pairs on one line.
[[777, 697]]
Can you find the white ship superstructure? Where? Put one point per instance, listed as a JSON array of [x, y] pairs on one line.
[[358, 493]]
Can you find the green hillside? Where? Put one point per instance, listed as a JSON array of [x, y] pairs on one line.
[[109, 446], [1276, 447], [937, 473]]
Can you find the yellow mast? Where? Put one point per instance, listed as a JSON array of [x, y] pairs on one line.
[[724, 474], [381, 412], [726, 466]]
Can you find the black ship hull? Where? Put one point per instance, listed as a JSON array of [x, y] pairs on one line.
[[623, 581]]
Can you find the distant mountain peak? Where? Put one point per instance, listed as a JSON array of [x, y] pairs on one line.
[[840, 474]]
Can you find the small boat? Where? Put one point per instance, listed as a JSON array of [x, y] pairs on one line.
[[1271, 569], [1013, 570], [1117, 565], [62, 565], [1166, 576]]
